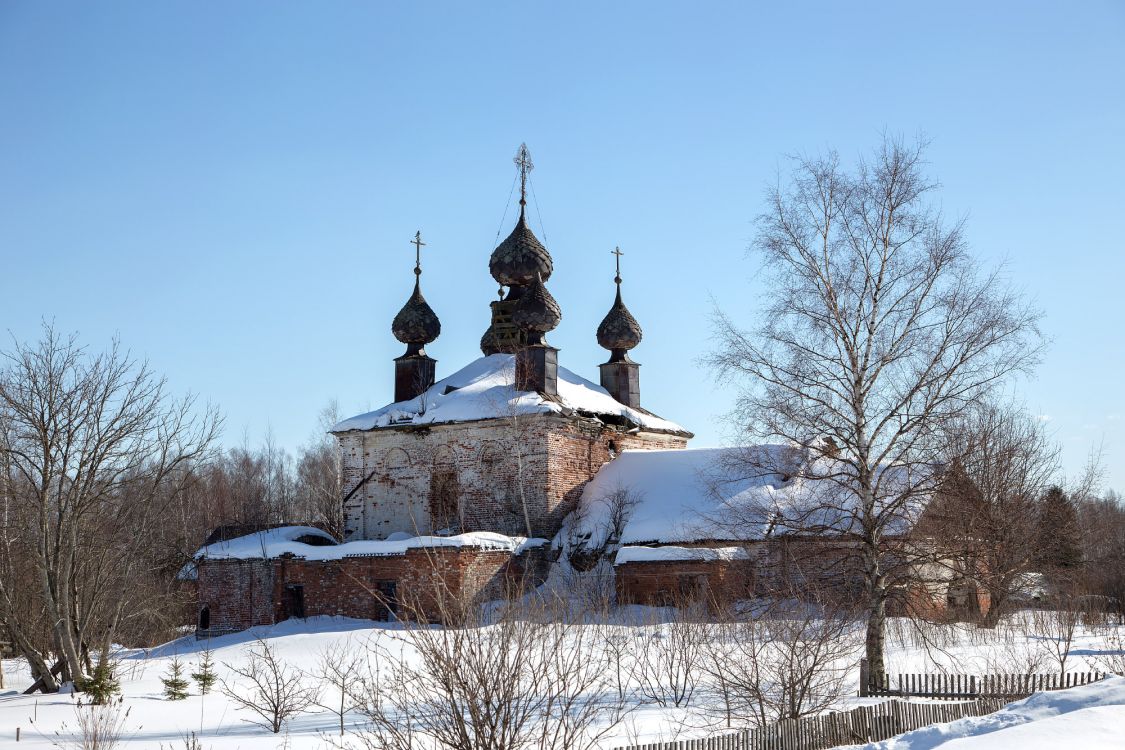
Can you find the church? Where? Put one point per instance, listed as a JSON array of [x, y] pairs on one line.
[[474, 485]]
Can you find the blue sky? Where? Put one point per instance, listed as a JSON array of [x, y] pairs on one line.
[[231, 187]]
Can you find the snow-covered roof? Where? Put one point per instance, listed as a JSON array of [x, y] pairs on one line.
[[283, 541], [673, 553], [734, 494], [485, 389]]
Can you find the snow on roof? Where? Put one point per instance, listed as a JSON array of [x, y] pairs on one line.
[[283, 541], [672, 553], [485, 389], [692, 495]]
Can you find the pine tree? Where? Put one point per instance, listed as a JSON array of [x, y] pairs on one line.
[[206, 676], [1059, 547], [175, 686], [102, 683]]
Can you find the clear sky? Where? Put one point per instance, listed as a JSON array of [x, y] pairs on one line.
[[231, 187]]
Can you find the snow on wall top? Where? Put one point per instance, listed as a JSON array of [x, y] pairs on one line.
[[672, 553], [485, 389], [283, 541], [692, 495]]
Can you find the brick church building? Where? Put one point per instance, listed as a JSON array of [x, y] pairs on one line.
[[468, 486], [469, 476]]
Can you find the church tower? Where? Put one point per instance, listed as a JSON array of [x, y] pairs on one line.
[[506, 443], [619, 332], [415, 325]]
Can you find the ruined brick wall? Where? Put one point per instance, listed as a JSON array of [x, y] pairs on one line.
[[236, 594], [826, 568], [425, 583], [677, 582], [577, 449], [496, 468]]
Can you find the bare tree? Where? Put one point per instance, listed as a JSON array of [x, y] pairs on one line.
[[93, 451], [340, 671], [318, 486], [268, 688], [988, 509], [879, 329]]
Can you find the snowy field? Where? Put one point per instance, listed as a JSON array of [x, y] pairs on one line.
[[1090, 717]]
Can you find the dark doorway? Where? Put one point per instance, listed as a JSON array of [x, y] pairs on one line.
[[386, 601], [293, 602], [205, 617]]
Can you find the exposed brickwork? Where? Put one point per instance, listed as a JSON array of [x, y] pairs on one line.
[[237, 594], [244, 593], [501, 466], [666, 583], [797, 567]]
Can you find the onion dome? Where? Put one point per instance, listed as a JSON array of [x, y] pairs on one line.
[[520, 258], [416, 323], [537, 311], [619, 330], [489, 342]]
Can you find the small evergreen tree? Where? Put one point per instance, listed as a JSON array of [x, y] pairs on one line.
[[102, 683], [206, 676], [175, 686], [1059, 547]]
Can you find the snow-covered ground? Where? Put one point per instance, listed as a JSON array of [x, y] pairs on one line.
[[1090, 717], [1096, 714]]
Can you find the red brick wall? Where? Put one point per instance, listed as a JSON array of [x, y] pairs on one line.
[[244, 593], [238, 593], [666, 582], [774, 567], [576, 451]]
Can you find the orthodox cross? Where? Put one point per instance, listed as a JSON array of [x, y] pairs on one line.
[[617, 251], [523, 161], [418, 245]]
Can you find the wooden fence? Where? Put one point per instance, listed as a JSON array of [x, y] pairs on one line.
[[858, 726], [967, 687]]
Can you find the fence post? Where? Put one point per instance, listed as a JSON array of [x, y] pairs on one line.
[[864, 676]]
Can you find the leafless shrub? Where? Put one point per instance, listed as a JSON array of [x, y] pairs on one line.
[[268, 688], [1015, 655], [1112, 657], [340, 670], [97, 727], [1054, 628], [789, 661], [669, 655], [188, 741], [529, 678], [621, 647]]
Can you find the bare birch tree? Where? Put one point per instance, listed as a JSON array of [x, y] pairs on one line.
[[878, 329]]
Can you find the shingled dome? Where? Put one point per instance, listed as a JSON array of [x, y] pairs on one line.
[[537, 311], [619, 330], [518, 259], [416, 323]]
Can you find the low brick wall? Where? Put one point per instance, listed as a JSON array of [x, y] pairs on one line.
[[676, 582], [422, 583]]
